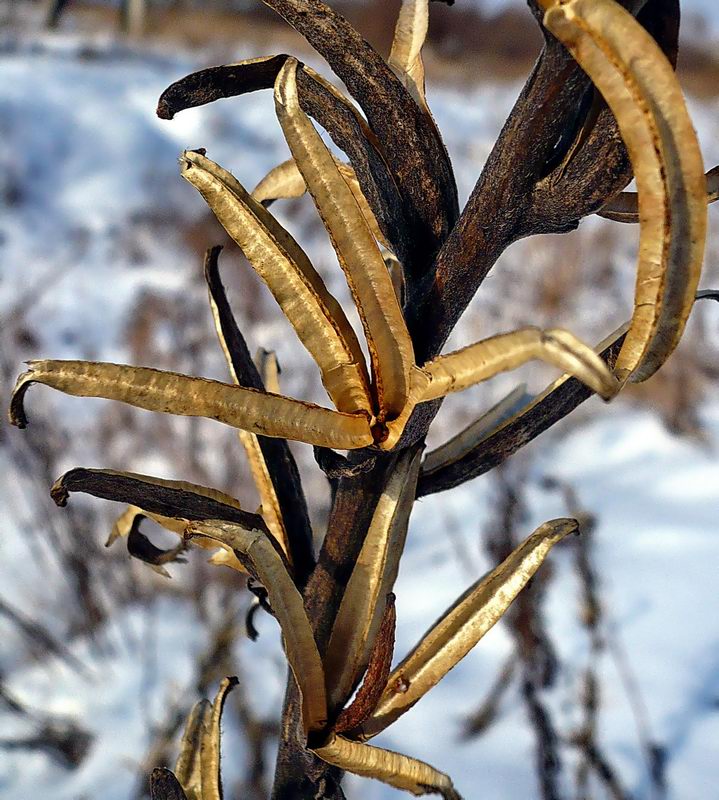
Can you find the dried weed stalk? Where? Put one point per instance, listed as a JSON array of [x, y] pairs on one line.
[[601, 105]]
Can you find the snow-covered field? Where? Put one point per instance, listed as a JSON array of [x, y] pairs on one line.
[[94, 215]]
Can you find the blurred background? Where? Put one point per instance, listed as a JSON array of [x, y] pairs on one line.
[[603, 682]]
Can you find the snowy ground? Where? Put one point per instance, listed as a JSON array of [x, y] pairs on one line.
[[95, 213]]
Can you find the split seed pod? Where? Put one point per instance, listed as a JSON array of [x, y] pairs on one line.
[[288, 607], [372, 579], [640, 86], [463, 625], [358, 254], [282, 264]]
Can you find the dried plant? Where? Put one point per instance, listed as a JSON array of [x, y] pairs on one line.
[[602, 104]]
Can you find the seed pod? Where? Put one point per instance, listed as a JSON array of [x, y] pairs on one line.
[[372, 579], [640, 86], [172, 393], [301, 293], [467, 439], [625, 207], [358, 254], [405, 57], [478, 362], [463, 625], [392, 768], [188, 767], [287, 604]]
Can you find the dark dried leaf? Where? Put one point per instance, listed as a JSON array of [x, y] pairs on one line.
[[140, 547], [165, 786], [280, 462], [375, 679], [153, 496]]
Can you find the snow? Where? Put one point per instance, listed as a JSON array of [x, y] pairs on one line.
[[98, 218]]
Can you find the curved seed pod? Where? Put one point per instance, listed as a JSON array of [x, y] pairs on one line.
[[388, 435], [351, 180], [268, 368], [405, 57], [553, 404], [625, 207], [188, 767], [468, 438], [640, 87], [464, 624], [387, 337], [172, 393], [153, 497], [210, 744], [506, 351], [169, 503], [373, 576], [333, 111], [279, 461], [301, 293], [286, 602], [392, 768]]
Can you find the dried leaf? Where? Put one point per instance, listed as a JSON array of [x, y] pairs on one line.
[[387, 337], [625, 207], [282, 182], [478, 362], [467, 439], [392, 768], [373, 576], [124, 524], [639, 85], [188, 767], [287, 604], [285, 181], [210, 744], [463, 625], [312, 311], [172, 393]]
